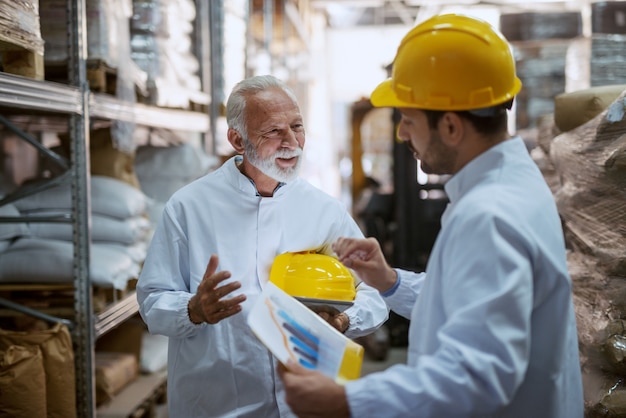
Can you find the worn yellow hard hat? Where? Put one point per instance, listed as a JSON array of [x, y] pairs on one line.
[[313, 276], [450, 62]]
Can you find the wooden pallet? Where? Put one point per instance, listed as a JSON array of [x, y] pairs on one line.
[[19, 61], [55, 299], [101, 77]]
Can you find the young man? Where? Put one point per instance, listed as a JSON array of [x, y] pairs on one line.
[[247, 212], [492, 330]]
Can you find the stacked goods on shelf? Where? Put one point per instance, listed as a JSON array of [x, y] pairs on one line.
[[108, 53], [21, 45], [586, 155], [117, 358], [126, 357], [44, 263], [111, 235], [9, 232], [530, 26], [608, 40], [163, 170], [161, 44], [120, 232], [541, 42], [106, 160], [114, 371], [105, 34], [37, 376], [608, 17]]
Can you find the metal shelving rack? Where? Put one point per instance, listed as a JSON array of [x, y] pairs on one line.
[[77, 102]]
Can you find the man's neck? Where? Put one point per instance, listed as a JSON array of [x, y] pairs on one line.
[[265, 186]]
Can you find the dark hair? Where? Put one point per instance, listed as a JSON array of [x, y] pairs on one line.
[[485, 125]]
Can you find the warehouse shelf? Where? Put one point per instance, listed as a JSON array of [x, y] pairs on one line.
[[29, 94], [26, 93], [115, 314], [73, 108], [107, 107]]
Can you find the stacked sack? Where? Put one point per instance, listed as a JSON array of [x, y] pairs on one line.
[[43, 252], [37, 378], [163, 170]]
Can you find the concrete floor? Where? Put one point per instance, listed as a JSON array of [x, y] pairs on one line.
[[395, 355]]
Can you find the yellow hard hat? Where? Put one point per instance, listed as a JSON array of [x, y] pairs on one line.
[[450, 62], [313, 276]]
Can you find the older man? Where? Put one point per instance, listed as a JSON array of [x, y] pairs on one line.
[[238, 219]]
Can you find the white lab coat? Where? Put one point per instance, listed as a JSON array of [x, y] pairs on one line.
[[493, 331], [222, 369]]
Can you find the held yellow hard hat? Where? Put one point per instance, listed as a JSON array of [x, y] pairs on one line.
[[450, 62], [313, 276]]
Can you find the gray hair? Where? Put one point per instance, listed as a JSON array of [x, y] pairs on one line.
[[236, 104]]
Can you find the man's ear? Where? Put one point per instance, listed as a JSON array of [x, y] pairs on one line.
[[236, 140], [451, 128]]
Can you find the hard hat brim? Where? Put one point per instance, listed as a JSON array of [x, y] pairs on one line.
[[384, 96], [313, 303]]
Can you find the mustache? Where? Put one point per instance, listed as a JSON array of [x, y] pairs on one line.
[[285, 153]]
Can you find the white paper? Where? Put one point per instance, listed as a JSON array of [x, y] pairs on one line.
[[291, 330]]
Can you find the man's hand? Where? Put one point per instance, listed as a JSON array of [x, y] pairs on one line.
[[366, 258], [310, 394], [208, 305], [336, 319]]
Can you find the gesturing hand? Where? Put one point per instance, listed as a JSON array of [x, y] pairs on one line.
[[208, 305]]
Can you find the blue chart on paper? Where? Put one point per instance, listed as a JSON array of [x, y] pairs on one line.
[[302, 342]]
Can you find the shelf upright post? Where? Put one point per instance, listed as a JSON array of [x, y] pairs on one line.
[[83, 331], [216, 62], [202, 50]]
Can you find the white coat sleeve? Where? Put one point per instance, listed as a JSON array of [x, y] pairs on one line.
[[483, 342], [403, 296], [163, 291], [369, 310]]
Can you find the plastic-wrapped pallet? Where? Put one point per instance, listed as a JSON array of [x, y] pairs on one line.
[[105, 39], [19, 21], [108, 42], [20, 38], [591, 164], [161, 44]]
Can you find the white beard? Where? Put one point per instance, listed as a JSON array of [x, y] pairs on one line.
[[268, 165]]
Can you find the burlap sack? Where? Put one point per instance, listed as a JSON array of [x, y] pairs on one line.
[[58, 360], [573, 109], [22, 382]]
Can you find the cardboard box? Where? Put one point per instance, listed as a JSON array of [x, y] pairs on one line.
[[114, 371]]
